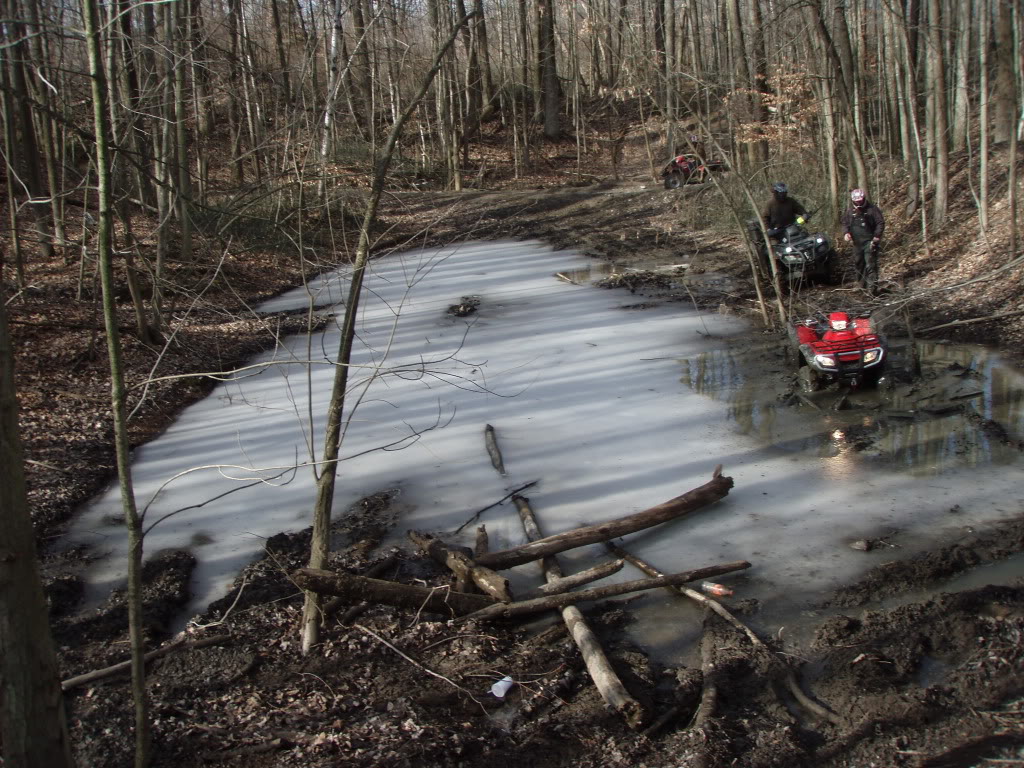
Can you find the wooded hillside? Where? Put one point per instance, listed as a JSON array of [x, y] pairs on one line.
[[168, 164], [241, 112]]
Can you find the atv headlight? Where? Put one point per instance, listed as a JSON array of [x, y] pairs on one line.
[[872, 356], [789, 249], [819, 240], [825, 361]]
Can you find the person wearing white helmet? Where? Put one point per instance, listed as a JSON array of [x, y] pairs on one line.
[[863, 225]]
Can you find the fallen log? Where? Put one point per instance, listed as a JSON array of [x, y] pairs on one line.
[[414, 597], [709, 694], [353, 611], [180, 644], [561, 584], [552, 602], [712, 491], [605, 680], [459, 561], [492, 449]]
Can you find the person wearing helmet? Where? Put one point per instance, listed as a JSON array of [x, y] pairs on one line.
[[782, 210], [863, 225]]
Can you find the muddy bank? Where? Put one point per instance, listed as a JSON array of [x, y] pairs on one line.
[[396, 689]]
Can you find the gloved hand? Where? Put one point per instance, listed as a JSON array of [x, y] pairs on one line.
[[800, 220], [847, 237]]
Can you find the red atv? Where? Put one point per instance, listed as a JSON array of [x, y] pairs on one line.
[[838, 347], [688, 169]]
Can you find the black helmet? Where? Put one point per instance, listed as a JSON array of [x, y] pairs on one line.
[[780, 189]]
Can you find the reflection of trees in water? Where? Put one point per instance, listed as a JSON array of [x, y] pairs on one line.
[[965, 437], [732, 379], [922, 444]]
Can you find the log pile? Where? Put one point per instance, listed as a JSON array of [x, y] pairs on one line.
[[479, 593]]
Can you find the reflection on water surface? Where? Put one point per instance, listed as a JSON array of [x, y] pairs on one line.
[[966, 408]]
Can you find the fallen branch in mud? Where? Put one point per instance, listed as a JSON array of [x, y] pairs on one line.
[[413, 661], [789, 675], [709, 694], [460, 562], [714, 490], [468, 606], [605, 680], [565, 583], [806, 400], [180, 644], [553, 602], [492, 449], [359, 588], [252, 749], [353, 611], [1000, 316], [479, 512]]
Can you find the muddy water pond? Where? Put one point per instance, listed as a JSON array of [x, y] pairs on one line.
[[964, 409], [607, 405]]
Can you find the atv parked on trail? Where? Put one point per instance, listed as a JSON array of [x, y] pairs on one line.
[[688, 169], [837, 348], [799, 255]]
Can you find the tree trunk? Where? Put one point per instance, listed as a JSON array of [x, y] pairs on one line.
[[551, 91], [29, 170], [1004, 99], [33, 729], [860, 171], [937, 70], [332, 430], [118, 393], [983, 118]]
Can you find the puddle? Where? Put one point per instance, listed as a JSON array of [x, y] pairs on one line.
[[966, 409]]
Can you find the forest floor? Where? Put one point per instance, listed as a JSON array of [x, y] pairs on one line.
[[932, 683]]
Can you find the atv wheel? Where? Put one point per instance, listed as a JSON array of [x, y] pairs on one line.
[[809, 379], [673, 181]]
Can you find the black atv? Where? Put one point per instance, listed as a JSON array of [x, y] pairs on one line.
[[799, 255]]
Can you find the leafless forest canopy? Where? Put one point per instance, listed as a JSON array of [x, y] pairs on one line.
[[264, 106]]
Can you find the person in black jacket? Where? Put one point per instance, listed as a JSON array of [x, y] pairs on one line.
[[782, 210], [863, 225]]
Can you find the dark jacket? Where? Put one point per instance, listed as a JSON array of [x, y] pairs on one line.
[[864, 223], [781, 213]]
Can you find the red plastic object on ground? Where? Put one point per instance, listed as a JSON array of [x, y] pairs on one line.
[[720, 590]]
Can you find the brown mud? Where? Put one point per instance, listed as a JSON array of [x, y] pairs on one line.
[[935, 682]]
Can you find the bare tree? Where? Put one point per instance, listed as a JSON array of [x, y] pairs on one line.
[[133, 521], [332, 431]]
